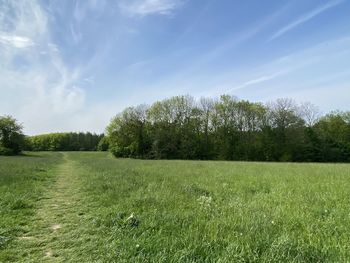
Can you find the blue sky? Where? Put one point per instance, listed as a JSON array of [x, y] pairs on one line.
[[70, 65]]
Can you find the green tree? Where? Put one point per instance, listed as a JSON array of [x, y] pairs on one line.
[[334, 133], [103, 144], [63, 142], [11, 136], [128, 134], [230, 129], [287, 130]]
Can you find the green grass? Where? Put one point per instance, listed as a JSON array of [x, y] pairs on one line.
[[23, 180], [121, 210]]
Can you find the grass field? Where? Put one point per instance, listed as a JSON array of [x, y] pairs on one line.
[[90, 207]]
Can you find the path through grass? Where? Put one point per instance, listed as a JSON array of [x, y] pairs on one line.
[[53, 235], [59, 231], [87, 207]]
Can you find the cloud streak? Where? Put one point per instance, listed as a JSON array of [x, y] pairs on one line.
[[258, 80], [15, 41], [306, 17], [149, 7], [282, 75]]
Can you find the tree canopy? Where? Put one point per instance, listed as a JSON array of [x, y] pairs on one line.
[[11, 136], [64, 142], [230, 129], [226, 128]]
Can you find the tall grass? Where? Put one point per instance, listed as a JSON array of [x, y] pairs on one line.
[[23, 179], [196, 211], [180, 211]]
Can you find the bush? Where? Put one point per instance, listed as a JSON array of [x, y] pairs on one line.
[[11, 136], [103, 145], [6, 151]]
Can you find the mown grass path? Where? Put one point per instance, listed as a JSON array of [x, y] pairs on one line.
[[55, 230]]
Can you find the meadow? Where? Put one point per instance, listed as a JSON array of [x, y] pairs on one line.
[[92, 207]]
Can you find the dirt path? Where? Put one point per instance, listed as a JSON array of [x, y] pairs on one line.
[[55, 231]]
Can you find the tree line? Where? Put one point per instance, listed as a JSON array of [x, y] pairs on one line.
[[69, 141], [13, 141], [208, 129], [230, 129]]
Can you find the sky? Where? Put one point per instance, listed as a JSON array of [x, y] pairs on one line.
[[71, 65]]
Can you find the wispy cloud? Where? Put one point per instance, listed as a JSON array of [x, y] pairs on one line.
[[259, 80], [48, 88], [149, 7], [306, 17], [38, 84], [278, 77], [194, 66], [15, 41]]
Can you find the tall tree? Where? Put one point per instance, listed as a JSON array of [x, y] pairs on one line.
[[230, 129], [11, 136]]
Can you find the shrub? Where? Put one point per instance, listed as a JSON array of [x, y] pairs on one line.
[[11, 136]]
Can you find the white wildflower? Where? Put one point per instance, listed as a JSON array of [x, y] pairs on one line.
[[205, 201]]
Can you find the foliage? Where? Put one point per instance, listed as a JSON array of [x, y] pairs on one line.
[[64, 142], [11, 136], [230, 129], [103, 144]]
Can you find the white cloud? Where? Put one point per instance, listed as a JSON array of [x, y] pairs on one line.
[[37, 86], [149, 7], [306, 17], [16, 41]]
